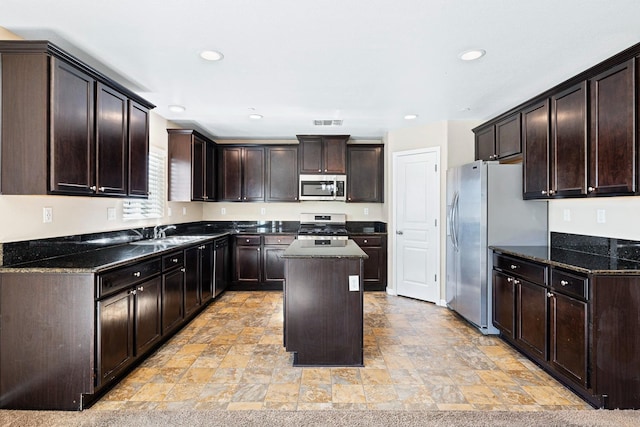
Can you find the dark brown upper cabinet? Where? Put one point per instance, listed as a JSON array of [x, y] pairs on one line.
[[613, 147], [365, 173], [192, 172], [535, 147], [242, 173], [322, 154], [67, 128], [282, 173], [111, 141], [569, 142], [501, 140]]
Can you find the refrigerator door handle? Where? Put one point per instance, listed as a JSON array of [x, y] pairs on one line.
[[454, 220]]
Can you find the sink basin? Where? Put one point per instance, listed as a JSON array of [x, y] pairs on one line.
[[169, 241]]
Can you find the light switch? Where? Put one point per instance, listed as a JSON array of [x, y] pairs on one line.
[[354, 283]]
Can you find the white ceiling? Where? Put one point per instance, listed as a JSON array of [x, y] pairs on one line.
[[367, 62]]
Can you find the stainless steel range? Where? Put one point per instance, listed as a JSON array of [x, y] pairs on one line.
[[323, 229]]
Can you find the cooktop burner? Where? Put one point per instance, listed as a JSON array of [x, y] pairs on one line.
[[322, 227]]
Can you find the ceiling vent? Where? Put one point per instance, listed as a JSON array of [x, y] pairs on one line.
[[327, 122]]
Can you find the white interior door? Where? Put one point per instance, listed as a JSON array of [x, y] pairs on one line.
[[417, 236]]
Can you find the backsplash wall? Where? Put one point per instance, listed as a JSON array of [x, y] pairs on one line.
[[579, 216]]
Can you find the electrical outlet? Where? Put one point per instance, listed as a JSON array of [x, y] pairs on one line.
[[223, 211], [566, 215], [263, 211], [169, 212], [601, 217], [184, 211], [354, 283], [366, 211], [111, 214], [47, 214]]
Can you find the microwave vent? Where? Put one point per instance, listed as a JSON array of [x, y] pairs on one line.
[[327, 122]]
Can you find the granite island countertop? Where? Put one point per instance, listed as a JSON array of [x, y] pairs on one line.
[[572, 260], [297, 249]]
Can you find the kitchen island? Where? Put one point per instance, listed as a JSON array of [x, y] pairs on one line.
[[323, 304]]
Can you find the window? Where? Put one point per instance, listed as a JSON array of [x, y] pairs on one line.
[[153, 207]]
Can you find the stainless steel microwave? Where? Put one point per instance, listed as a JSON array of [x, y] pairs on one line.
[[323, 187]]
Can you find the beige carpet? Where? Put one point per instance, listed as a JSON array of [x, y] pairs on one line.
[[319, 418]]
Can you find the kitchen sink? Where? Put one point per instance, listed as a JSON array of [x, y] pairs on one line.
[[169, 241]]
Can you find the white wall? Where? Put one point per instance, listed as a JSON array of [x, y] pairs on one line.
[[456, 142], [622, 216]]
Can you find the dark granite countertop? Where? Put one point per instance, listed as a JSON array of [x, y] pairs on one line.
[[98, 260], [350, 250], [572, 260]]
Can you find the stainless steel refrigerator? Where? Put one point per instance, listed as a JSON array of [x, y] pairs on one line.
[[485, 207]]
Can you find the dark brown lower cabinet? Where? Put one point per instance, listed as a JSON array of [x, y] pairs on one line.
[[568, 334], [531, 317], [128, 325], [257, 261], [172, 298], [504, 304], [191, 280], [375, 267], [581, 328]]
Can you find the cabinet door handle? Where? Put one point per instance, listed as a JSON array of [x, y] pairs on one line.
[[549, 294], [513, 267], [591, 189], [564, 282], [136, 274]]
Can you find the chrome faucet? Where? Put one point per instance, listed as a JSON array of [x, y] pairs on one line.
[[159, 232]]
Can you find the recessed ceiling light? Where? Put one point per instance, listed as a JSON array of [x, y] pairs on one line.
[[411, 117], [211, 55], [470, 55], [176, 108], [255, 116]]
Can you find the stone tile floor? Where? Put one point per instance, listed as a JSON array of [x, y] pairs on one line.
[[417, 356]]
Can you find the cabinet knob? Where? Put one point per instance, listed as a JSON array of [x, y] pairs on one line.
[[132, 292], [245, 197], [591, 189], [513, 266], [141, 288], [92, 188], [183, 269], [365, 240], [174, 260], [319, 170], [247, 240], [101, 188], [564, 282], [325, 170], [509, 279], [136, 274], [552, 192], [549, 294], [515, 281], [544, 192]]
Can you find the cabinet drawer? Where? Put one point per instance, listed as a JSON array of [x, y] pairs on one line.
[[367, 240], [571, 284], [533, 272], [279, 240], [126, 276], [248, 240], [173, 260]]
